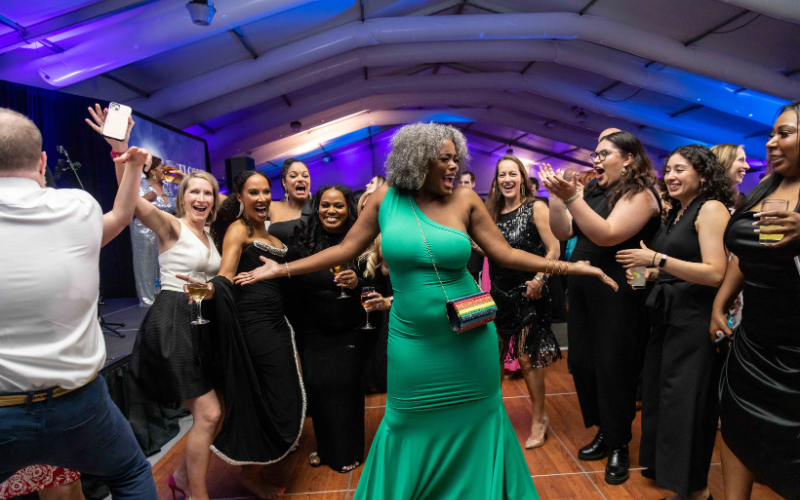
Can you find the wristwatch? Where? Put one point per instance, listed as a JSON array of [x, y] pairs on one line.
[[663, 261]]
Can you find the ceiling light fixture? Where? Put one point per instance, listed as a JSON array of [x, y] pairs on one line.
[[509, 151], [201, 11]]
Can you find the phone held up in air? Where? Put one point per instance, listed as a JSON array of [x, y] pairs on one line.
[[116, 125]]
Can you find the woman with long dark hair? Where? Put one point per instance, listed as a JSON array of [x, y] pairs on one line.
[[607, 331], [524, 305], [681, 372], [445, 433], [286, 215], [760, 388], [262, 394], [336, 347]]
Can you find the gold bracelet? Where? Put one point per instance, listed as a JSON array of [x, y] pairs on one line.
[[567, 270], [562, 269], [549, 263]]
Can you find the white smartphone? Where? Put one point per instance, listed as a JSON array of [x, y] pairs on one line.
[[116, 125]]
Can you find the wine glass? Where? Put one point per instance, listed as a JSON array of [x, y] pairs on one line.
[[338, 269], [366, 292], [198, 289]]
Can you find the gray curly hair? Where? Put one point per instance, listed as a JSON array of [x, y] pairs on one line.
[[413, 148]]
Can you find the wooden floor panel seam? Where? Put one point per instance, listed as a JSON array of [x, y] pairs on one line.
[[577, 463]]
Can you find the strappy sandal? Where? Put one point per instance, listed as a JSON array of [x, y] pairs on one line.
[[353, 466]]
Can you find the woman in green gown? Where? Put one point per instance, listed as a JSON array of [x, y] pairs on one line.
[[445, 434]]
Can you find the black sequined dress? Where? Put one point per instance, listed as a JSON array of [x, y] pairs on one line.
[[528, 322]]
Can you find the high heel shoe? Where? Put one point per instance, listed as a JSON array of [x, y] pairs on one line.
[[174, 486], [536, 442]]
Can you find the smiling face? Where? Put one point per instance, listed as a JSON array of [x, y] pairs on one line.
[[466, 181], [609, 162], [738, 168], [198, 201], [443, 170], [682, 180], [297, 183], [333, 211], [782, 147], [256, 196], [509, 179]]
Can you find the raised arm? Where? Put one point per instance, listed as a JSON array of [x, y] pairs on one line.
[[121, 215], [629, 215], [358, 239], [711, 223], [486, 233]]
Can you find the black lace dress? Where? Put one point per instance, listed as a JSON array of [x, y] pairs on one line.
[[526, 322]]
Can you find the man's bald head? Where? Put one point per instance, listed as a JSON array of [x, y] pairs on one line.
[[607, 132], [20, 144]]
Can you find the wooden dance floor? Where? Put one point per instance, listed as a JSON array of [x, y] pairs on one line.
[[556, 471]]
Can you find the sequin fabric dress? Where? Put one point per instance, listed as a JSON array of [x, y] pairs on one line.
[[145, 249], [527, 323]]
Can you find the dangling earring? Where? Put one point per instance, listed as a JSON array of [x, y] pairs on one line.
[[241, 209]]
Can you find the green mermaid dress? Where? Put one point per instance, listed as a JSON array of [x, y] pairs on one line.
[[445, 434]]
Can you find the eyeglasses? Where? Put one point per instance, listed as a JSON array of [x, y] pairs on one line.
[[600, 155]]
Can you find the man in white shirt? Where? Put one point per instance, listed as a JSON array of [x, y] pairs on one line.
[[54, 409]]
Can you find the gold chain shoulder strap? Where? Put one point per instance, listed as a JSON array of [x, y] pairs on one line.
[[426, 247], [429, 251]]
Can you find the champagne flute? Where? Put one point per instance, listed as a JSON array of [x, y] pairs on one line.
[[198, 289], [338, 269], [366, 292]]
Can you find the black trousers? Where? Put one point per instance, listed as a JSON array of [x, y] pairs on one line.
[[681, 376], [334, 383], [607, 337]]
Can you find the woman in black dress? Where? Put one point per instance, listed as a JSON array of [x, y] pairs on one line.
[[286, 215], [265, 402], [524, 304], [607, 331], [760, 388], [681, 371], [336, 347]]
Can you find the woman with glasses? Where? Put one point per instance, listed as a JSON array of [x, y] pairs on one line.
[[607, 331]]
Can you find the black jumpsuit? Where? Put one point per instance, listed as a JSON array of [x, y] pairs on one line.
[[607, 330], [682, 368]]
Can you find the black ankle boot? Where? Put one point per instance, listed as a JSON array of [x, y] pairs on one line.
[[596, 450], [617, 466]]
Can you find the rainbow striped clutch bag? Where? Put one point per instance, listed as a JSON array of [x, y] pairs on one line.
[[471, 311]]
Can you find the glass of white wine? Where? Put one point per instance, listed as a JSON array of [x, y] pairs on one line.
[[769, 206], [338, 269], [198, 289], [366, 293]]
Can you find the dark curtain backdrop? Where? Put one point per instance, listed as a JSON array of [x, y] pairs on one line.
[[60, 117]]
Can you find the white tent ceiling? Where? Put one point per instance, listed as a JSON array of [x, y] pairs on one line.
[[545, 74]]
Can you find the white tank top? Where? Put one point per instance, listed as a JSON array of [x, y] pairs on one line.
[[189, 254]]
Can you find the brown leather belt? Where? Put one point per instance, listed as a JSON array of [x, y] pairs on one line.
[[39, 396]]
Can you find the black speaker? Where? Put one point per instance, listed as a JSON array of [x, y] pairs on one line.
[[236, 165]]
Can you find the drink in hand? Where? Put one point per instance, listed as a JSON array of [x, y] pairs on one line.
[[639, 274], [366, 294], [770, 206], [337, 270], [198, 291]]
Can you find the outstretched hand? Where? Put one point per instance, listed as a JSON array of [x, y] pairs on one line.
[[209, 295], [99, 119], [134, 157], [268, 271], [582, 267], [637, 257]]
